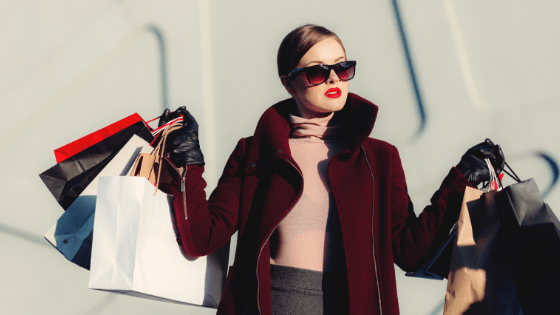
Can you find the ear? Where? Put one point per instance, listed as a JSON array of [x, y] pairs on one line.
[[287, 83]]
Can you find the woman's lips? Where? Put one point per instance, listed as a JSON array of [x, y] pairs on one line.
[[333, 93]]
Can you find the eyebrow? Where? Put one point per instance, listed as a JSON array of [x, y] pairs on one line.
[[319, 62]]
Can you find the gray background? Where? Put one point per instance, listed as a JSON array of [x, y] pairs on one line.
[[481, 69]]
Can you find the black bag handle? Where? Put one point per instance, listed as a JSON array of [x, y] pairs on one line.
[[514, 176]]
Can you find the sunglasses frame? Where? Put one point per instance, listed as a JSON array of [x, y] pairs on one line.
[[326, 67]]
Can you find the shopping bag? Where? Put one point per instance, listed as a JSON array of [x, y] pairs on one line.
[[480, 281], [437, 265], [153, 166], [531, 235], [135, 250], [81, 144], [471, 280], [72, 233], [67, 179], [471, 285]]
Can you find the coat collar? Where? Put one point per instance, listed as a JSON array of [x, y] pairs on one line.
[[270, 140]]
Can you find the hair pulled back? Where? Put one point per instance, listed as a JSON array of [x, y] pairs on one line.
[[297, 43]]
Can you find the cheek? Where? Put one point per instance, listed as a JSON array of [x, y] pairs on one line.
[[314, 94], [300, 87]]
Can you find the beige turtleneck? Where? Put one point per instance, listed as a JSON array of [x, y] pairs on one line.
[[310, 237]]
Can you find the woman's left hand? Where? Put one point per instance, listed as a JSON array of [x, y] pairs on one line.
[[473, 166]]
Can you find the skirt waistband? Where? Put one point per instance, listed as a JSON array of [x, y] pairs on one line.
[[305, 279]]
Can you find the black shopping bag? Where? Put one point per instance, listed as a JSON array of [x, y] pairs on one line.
[[72, 235], [531, 236], [437, 264], [67, 179]]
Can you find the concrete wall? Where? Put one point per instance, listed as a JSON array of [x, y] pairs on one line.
[[479, 69]]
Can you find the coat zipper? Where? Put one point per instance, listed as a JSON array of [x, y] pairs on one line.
[[372, 233], [270, 234], [183, 190]]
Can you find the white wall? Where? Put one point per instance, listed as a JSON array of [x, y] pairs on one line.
[[67, 68]]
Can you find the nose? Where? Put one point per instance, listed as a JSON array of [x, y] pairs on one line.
[[333, 78]]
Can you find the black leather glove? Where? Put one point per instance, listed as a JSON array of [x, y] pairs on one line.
[[182, 144], [473, 166]]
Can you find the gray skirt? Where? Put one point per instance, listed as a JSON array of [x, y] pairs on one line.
[[302, 291]]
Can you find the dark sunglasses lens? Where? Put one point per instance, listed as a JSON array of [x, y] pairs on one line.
[[316, 74], [345, 70]]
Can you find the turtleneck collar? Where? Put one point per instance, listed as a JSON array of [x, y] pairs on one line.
[[325, 128], [271, 138]]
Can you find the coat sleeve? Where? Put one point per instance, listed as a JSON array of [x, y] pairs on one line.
[[205, 225], [414, 236]]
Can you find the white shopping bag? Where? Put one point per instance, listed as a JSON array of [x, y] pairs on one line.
[[135, 251], [72, 232]]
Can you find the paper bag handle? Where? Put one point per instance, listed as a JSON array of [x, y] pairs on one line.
[[144, 165]]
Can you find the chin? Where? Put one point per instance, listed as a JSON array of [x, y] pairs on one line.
[[321, 106], [338, 104], [329, 107]]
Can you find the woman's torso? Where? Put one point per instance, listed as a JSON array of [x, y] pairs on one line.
[[309, 236]]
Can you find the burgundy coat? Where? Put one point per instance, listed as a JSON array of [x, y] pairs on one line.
[[261, 182]]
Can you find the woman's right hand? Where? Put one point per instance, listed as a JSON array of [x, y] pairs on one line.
[[182, 144]]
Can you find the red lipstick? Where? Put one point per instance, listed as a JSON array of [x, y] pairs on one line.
[[333, 93]]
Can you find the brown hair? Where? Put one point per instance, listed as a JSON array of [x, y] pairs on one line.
[[297, 43]]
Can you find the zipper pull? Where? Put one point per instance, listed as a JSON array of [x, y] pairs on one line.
[[183, 178]]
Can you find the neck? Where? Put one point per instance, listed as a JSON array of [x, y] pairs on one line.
[[309, 114], [327, 127]]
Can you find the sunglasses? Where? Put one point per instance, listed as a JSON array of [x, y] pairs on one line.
[[319, 74]]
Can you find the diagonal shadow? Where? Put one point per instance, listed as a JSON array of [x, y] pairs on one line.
[[23, 234], [411, 71], [102, 304]]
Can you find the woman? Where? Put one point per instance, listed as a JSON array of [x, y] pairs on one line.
[[322, 210]]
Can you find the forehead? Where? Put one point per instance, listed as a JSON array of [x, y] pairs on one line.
[[326, 51]]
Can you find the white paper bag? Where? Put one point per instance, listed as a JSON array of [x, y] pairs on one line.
[[135, 251], [71, 234]]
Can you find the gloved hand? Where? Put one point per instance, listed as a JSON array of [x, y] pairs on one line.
[[182, 144], [473, 166]]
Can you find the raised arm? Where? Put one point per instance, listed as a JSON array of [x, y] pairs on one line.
[[414, 236], [204, 225]]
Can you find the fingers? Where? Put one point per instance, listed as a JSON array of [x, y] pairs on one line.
[[187, 117], [164, 118], [188, 120], [489, 150], [482, 151], [167, 115], [474, 169], [500, 159], [180, 111]]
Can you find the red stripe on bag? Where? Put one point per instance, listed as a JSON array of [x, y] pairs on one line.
[[85, 142]]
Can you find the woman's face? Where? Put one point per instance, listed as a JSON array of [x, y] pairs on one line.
[[323, 99]]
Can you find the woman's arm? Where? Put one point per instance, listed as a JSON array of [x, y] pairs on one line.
[[413, 236], [205, 225]]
